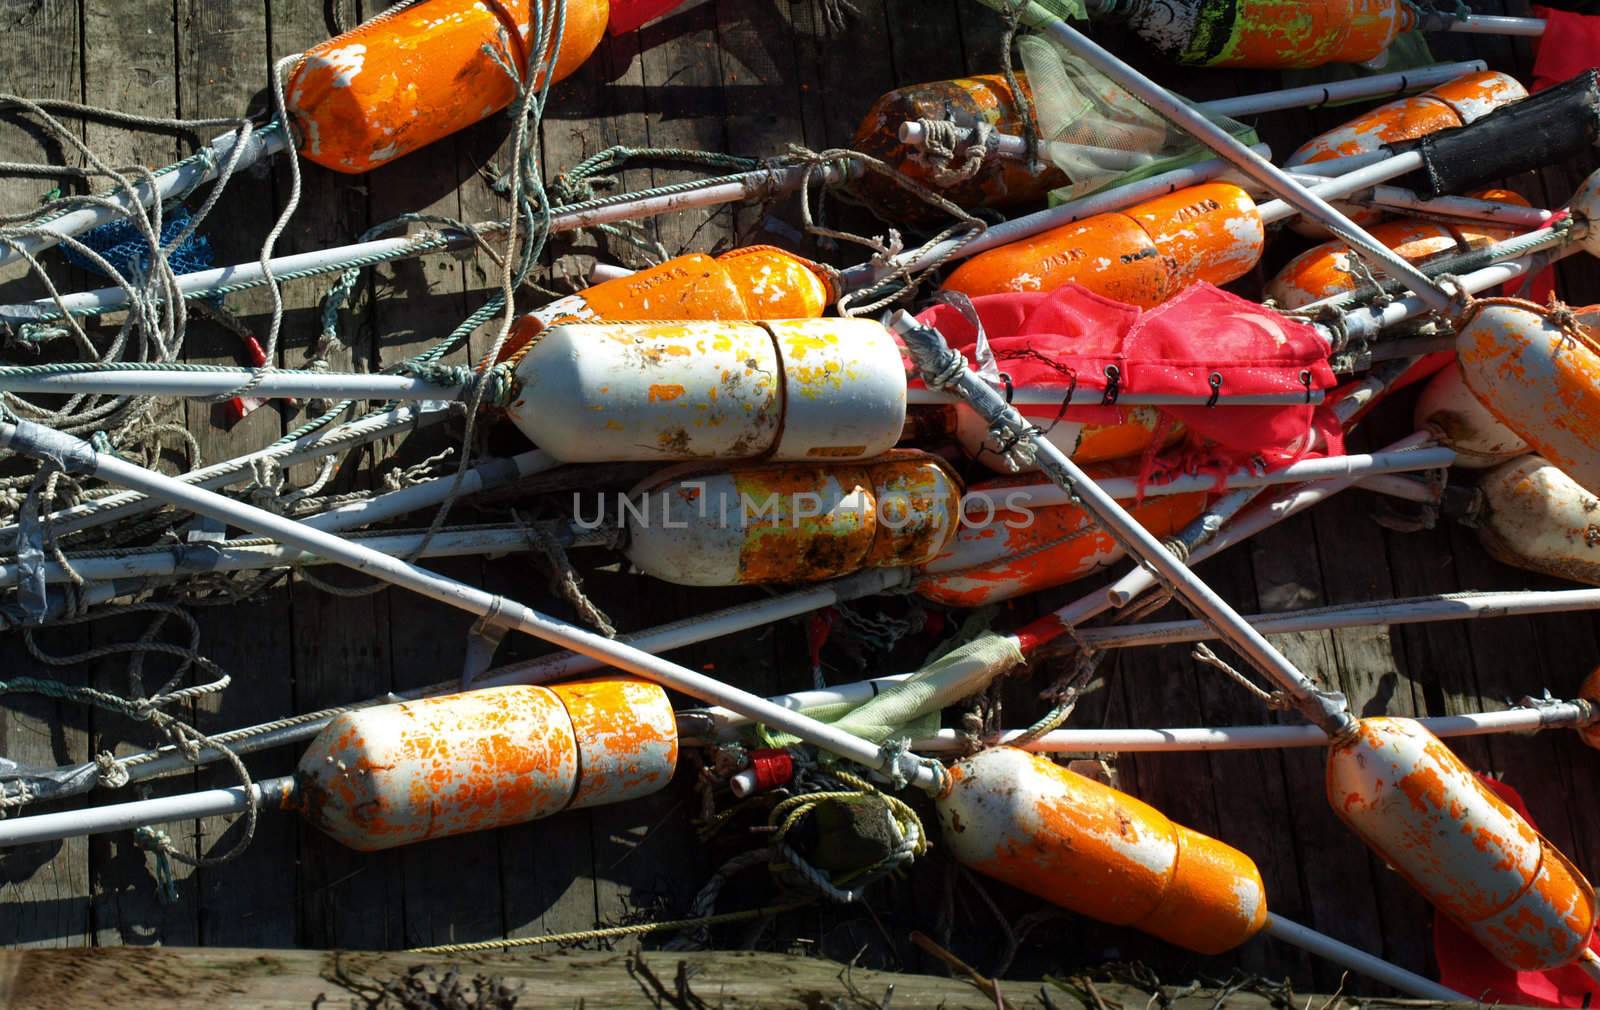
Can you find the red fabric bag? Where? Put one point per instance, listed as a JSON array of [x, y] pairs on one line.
[[1469, 969], [1204, 340]]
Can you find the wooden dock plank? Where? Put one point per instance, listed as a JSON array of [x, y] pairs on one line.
[[45, 889]]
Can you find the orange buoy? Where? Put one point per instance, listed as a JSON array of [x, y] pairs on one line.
[[1137, 430], [403, 80], [1413, 801], [1141, 256], [1329, 269], [1061, 836], [1464, 100], [965, 102], [755, 282], [1270, 35], [391, 775], [1589, 691], [1007, 549]]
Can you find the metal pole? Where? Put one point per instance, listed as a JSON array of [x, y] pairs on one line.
[[1247, 161], [215, 382], [121, 816], [245, 275], [1376, 968], [942, 367], [77, 456]]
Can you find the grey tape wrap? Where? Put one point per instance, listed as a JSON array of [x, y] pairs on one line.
[[67, 453]]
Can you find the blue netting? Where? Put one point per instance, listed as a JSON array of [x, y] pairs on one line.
[[126, 249]]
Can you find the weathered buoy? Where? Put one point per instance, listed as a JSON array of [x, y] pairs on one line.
[[1540, 519], [754, 282], [1448, 408], [1055, 834], [1008, 549], [1474, 858], [1464, 100], [1269, 36], [820, 389], [1141, 256], [1137, 431], [1331, 269], [1589, 691], [791, 522], [1541, 380], [381, 777], [403, 80], [966, 103]]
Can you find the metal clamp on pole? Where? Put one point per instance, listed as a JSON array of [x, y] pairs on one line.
[[942, 367]]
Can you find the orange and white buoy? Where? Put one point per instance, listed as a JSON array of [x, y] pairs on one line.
[[1057, 835], [1464, 100], [1137, 430], [381, 777], [1140, 256], [754, 282], [1448, 408], [1263, 34], [1474, 858], [791, 522], [1008, 548], [1538, 518], [401, 81]]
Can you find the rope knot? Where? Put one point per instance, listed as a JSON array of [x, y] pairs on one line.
[[113, 774]]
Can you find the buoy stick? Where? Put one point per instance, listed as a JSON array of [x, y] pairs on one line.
[[76, 456], [1481, 24], [942, 367], [349, 435], [1590, 963], [1459, 208], [1548, 715], [285, 382], [172, 182], [1416, 610], [1255, 167], [1308, 97], [1375, 968], [61, 824], [204, 283]]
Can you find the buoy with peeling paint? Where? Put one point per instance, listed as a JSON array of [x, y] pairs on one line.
[[1140, 256], [1400, 789], [381, 777], [754, 282], [1137, 430], [1057, 835], [799, 389], [1538, 518], [1462, 101], [1266, 35], [403, 80], [791, 522], [1010, 549]]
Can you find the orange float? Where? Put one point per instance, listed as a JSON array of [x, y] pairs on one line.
[[1137, 430], [401, 81], [1270, 34], [1057, 835], [1462, 101], [755, 282], [1328, 270], [1140, 256]]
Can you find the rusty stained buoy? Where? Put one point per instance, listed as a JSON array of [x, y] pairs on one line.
[[392, 775], [791, 522], [1270, 35], [1141, 256], [1023, 820], [799, 389], [966, 102], [1009, 549], [1475, 859], [1538, 518], [753, 283], [1137, 430], [401, 81], [1449, 410]]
